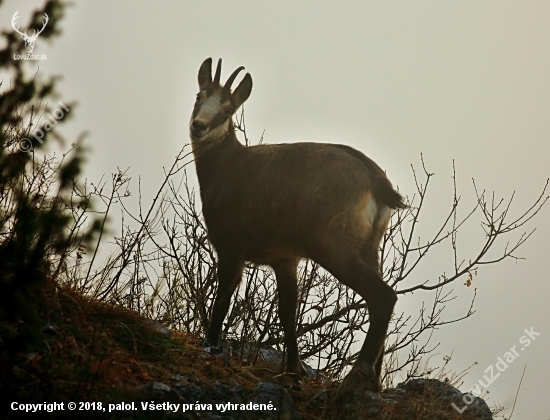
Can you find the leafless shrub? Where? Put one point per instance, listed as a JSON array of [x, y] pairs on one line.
[[164, 267]]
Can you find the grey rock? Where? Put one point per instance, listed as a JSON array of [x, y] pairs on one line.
[[158, 327], [369, 405], [447, 395], [275, 394]]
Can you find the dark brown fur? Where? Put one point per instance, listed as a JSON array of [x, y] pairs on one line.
[[276, 204]]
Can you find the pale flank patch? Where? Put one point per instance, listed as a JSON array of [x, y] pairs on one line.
[[366, 212], [384, 217], [371, 210]]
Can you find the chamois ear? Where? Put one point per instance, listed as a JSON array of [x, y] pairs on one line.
[[242, 92], [205, 74]]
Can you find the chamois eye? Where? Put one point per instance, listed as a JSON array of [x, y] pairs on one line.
[[229, 111]]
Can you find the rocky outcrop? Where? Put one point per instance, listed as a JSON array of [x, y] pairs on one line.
[[430, 398]]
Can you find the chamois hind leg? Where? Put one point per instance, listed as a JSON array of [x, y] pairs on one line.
[[370, 256], [378, 364], [230, 270], [363, 276], [287, 289]]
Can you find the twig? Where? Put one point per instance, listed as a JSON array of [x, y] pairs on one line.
[[517, 393]]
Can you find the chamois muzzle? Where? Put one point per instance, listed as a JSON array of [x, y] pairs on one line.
[[198, 128]]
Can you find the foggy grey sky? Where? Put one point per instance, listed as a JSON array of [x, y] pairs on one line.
[[464, 80]]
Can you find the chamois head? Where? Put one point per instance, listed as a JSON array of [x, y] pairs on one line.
[[216, 104]]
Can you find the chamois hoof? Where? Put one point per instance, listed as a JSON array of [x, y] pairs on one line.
[[293, 376], [359, 381], [205, 343], [298, 370], [221, 355]]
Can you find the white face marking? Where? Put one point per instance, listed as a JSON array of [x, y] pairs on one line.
[[209, 108], [218, 132]]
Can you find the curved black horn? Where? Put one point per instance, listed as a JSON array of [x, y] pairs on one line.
[[231, 79], [216, 81]]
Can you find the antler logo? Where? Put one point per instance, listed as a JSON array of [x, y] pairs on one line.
[[29, 40]]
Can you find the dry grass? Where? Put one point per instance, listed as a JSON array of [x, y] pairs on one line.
[[86, 350]]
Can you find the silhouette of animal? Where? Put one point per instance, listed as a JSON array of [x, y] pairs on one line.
[[277, 204]]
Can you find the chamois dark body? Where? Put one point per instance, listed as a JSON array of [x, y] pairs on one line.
[[276, 204], [285, 199]]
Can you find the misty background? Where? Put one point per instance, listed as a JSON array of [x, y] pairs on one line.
[[464, 81]]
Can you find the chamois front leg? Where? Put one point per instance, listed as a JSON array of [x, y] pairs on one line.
[[287, 289], [230, 270]]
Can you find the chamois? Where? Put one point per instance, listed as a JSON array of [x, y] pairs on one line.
[[277, 204]]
